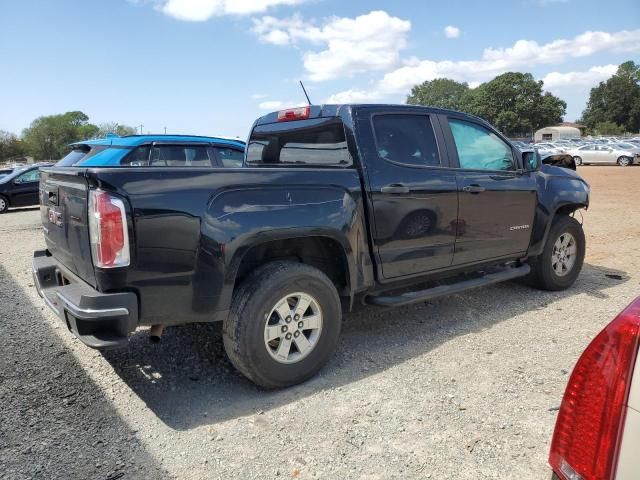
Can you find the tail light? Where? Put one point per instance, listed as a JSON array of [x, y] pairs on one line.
[[300, 113], [589, 427], [108, 230]]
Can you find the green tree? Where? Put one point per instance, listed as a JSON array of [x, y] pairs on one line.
[[441, 92], [11, 146], [515, 103], [115, 128], [608, 128], [617, 100], [48, 137]]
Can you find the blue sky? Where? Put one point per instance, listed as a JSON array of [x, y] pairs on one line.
[[213, 66]]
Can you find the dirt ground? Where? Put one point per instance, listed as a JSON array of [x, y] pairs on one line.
[[463, 387]]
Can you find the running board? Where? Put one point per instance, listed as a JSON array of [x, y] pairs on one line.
[[507, 273]]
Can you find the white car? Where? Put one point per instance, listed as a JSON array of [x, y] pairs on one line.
[[597, 434], [603, 154]]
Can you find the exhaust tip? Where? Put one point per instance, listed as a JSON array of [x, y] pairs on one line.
[[155, 334]]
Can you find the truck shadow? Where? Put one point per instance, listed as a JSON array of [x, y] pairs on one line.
[[55, 422], [187, 380]]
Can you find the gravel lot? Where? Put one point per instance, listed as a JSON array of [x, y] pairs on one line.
[[463, 387]]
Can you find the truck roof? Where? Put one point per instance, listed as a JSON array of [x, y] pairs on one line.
[[334, 110], [135, 140]]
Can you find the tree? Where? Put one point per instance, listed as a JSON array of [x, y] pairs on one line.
[[441, 92], [608, 128], [11, 146], [617, 100], [515, 104], [48, 137], [115, 128]]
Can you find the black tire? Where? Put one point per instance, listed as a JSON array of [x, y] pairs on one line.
[[4, 204], [625, 161], [578, 160], [542, 275], [244, 329]]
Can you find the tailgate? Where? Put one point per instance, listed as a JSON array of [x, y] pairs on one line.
[[63, 209]]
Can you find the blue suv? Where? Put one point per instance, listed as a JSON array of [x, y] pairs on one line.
[[156, 151]]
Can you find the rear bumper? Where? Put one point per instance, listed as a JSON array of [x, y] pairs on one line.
[[99, 320]]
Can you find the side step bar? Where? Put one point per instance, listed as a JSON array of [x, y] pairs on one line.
[[507, 273]]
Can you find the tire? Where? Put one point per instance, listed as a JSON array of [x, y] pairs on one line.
[[625, 161], [544, 268], [253, 310], [578, 160], [4, 204]]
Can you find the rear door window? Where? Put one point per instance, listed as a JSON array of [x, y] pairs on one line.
[[229, 157], [318, 142], [180, 156], [406, 139]]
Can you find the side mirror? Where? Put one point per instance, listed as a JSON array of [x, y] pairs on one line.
[[531, 160], [17, 181]]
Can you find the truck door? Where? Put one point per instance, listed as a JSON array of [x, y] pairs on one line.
[[497, 199], [25, 188], [412, 191]]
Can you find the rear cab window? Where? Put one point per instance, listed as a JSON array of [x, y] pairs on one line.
[[317, 142], [406, 139]]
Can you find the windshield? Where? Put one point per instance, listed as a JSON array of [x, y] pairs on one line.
[[624, 146]]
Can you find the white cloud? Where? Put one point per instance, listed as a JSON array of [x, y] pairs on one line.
[[201, 10], [351, 45], [258, 96], [554, 81], [279, 105], [523, 55], [354, 96], [451, 31]]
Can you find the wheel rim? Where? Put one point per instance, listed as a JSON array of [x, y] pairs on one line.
[[624, 161], [293, 327], [3, 204], [564, 254], [578, 160]]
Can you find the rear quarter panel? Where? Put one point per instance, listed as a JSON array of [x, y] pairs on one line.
[[193, 227]]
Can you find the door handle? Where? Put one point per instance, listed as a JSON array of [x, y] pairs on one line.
[[473, 189], [395, 188]]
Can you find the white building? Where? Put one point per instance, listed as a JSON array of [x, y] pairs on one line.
[[556, 133]]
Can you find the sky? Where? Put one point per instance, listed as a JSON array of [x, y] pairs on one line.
[[211, 67]]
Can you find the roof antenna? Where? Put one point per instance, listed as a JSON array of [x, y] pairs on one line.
[[305, 92]]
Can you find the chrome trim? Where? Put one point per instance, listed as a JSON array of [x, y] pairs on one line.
[[85, 313]]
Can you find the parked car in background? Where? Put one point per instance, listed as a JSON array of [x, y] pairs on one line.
[[603, 154], [546, 148], [20, 187], [156, 150], [597, 433], [337, 205]]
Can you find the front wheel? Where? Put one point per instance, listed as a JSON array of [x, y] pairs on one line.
[[283, 325], [578, 160], [4, 204], [624, 161], [560, 262]]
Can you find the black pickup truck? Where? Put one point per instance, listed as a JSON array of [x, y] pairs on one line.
[[336, 206]]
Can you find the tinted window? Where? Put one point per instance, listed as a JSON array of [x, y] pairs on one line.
[[138, 157], [479, 148], [30, 176], [230, 157], [407, 139], [317, 142], [179, 156]]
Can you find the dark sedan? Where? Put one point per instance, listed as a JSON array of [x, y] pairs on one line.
[[20, 188]]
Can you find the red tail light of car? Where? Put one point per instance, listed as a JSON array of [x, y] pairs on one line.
[[108, 230], [300, 113], [589, 426]]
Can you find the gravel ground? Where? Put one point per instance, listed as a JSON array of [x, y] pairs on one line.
[[463, 387]]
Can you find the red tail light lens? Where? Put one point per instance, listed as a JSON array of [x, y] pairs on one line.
[[300, 113], [108, 230], [590, 421]]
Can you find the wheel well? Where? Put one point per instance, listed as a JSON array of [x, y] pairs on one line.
[[568, 209], [323, 253]]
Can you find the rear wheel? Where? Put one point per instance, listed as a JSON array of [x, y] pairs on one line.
[[624, 161], [4, 204], [283, 325], [559, 264], [578, 160]]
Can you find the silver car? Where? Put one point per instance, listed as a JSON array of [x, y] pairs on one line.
[[603, 154]]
